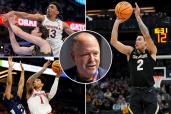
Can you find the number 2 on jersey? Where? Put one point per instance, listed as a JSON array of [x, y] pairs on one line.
[[140, 63]]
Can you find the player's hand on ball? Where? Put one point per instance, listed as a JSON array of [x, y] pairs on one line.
[[56, 68], [119, 20]]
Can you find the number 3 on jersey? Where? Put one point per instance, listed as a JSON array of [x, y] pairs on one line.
[[140, 63], [52, 33]]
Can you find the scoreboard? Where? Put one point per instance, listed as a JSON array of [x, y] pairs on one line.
[[161, 36]]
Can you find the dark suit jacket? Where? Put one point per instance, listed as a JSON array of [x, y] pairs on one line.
[[72, 73]]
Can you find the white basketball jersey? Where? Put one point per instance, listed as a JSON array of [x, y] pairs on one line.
[[55, 34], [38, 103]]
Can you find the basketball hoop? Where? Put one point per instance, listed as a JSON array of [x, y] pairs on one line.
[[157, 80]]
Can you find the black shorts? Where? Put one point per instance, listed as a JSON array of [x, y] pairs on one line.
[[143, 99]]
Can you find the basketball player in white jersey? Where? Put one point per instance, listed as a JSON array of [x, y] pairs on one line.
[[52, 23], [37, 99]]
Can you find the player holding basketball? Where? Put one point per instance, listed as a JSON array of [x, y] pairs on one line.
[[52, 23], [37, 99], [12, 101], [141, 61]]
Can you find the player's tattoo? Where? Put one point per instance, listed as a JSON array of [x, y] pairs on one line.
[[143, 28]]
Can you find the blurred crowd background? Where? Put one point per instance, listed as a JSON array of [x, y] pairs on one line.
[[111, 94]]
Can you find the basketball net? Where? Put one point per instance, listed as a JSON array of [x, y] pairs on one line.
[[157, 80]]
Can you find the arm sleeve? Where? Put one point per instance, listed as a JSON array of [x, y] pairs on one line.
[[53, 89]]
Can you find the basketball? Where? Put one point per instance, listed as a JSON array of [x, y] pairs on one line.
[[123, 10], [56, 67]]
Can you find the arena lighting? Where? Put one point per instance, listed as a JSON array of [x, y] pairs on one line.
[[95, 11], [82, 2], [147, 8], [27, 67], [92, 11], [26, 22], [76, 26], [29, 23], [93, 14], [49, 58], [149, 11], [163, 56], [5, 75], [101, 12]]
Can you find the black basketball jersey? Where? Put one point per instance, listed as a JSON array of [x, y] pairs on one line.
[[14, 105], [141, 69]]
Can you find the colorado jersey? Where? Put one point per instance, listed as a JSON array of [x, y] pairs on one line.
[[14, 105], [55, 34], [141, 69], [38, 103]]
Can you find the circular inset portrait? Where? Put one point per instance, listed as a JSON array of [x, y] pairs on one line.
[[85, 57]]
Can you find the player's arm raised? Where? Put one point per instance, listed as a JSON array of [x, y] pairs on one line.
[[7, 93], [37, 74], [54, 87], [117, 44], [67, 29], [21, 82], [31, 79], [24, 35], [16, 47], [24, 15], [144, 30]]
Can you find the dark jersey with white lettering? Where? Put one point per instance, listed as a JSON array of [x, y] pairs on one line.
[[141, 69], [14, 105]]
